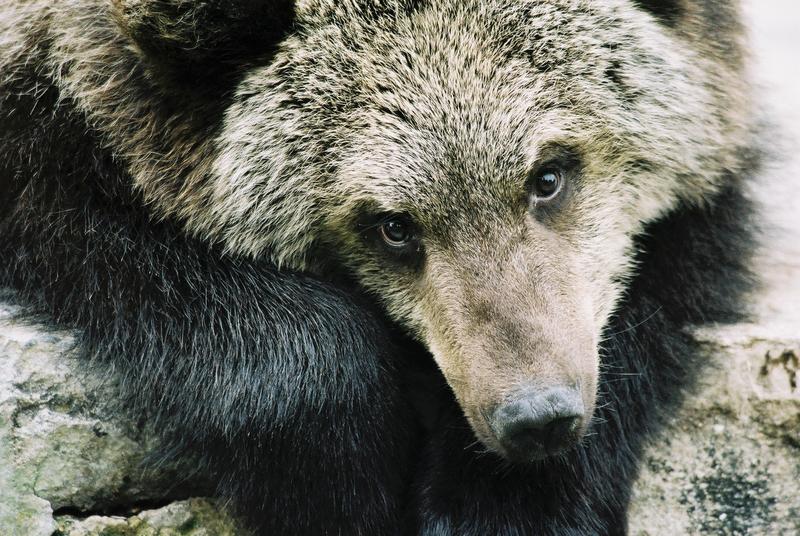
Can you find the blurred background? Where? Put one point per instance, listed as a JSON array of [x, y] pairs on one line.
[[775, 34]]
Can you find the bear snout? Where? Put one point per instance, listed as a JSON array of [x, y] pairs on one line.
[[539, 423]]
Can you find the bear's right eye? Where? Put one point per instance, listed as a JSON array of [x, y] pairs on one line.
[[396, 232], [545, 184]]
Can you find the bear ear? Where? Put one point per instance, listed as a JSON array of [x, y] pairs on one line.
[[666, 11], [189, 40]]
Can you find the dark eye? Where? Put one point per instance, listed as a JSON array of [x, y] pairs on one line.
[[395, 232], [545, 183]]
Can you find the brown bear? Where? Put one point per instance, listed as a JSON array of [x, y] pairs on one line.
[[254, 211]]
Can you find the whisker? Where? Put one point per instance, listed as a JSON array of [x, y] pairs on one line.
[[631, 328]]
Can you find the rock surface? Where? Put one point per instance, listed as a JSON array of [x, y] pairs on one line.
[[70, 463], [193, 517], [728, 464]]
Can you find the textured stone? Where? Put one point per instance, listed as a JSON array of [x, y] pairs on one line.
[[729, 462], [193, 517], [66, 448]]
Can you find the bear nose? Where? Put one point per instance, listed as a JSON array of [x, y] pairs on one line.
[[539, 423]]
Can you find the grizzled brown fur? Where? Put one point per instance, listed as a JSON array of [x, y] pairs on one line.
[[282, 134]]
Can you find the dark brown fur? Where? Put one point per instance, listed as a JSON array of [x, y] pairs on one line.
[[166, 219]]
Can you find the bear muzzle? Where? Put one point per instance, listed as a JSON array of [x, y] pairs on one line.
[[537, 423]]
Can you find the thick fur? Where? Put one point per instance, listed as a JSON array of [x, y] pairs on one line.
[[281, 384], [150, 211]]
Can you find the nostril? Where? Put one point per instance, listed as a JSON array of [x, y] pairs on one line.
[[551, 435], [540, 423], [562, 427]]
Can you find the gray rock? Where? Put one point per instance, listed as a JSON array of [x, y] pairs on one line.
[[193, 517], [65, 448], [729, 462]]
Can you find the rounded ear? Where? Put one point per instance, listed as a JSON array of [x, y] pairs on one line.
[[183, 39], [666, 11]]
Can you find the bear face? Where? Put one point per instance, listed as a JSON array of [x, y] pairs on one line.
[[482, 168]]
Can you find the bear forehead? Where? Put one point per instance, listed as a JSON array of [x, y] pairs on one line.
[[412, 104], [453, 65], [463, 91], [552, 33]]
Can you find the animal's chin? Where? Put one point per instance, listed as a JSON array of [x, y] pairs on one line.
[[535, 455], [525, 456]]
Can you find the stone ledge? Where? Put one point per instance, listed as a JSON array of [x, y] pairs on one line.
[[729, 461], [192, 517]]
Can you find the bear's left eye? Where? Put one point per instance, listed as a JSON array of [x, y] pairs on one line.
[[546, 183], [396, 235], [396, 232]]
